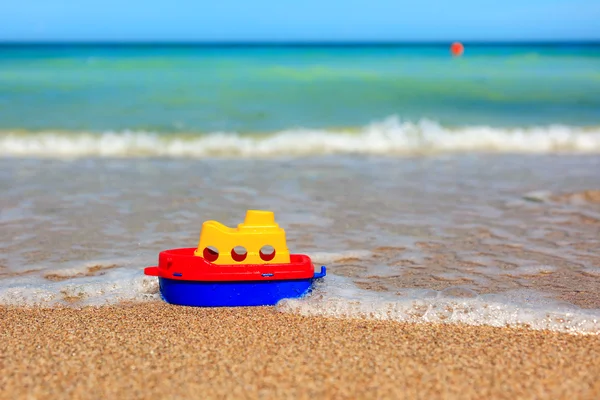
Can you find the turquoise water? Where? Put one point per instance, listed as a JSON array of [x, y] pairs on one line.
[[109, 155], [196, 89]]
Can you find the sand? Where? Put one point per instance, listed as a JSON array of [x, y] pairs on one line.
[[154, 350]]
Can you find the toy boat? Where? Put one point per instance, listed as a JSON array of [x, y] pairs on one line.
[[245, 266]]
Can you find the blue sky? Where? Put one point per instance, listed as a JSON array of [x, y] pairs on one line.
[[275, 20]]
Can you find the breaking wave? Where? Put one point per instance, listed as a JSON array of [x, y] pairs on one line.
[[338, 297], [390, 136]]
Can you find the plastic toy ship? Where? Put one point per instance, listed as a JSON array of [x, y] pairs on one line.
[[247, 266]]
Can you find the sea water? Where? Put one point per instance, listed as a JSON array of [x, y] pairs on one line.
[[435, 189]]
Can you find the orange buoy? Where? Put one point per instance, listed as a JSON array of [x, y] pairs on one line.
[[457, 49]]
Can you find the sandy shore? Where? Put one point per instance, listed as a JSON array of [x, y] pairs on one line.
[[154, 350]]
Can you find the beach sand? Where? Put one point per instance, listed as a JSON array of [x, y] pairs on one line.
[[155, 350]]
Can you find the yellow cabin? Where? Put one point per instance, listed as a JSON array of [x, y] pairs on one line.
[[258, 240]]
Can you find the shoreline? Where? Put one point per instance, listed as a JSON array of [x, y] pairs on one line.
[[162, 351]]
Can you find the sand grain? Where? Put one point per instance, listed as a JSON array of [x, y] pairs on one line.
[[155, 350]]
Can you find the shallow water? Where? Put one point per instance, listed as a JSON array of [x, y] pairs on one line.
[[95, 88], [484, 238], [433, 188]]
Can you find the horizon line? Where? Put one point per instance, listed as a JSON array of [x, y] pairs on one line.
[[295, 43]]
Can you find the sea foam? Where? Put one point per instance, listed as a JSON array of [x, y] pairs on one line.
[[390, 136], [118, 285], [335, 296], [339, 297]]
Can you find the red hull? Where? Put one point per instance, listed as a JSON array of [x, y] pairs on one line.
[[182, 264]]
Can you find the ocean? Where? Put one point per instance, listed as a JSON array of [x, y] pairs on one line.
[[452, 190]]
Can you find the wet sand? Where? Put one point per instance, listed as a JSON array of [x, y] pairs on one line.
[[388, 224], [154, 350]]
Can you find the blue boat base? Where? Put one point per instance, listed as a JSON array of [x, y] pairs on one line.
[[234, 294]]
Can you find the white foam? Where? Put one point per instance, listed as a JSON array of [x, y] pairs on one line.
[[593, 271], [523, 270], [391, 136], [116, 285], [330, 257], [333, 296], [531, 270], [338, 297], [540, 196]]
